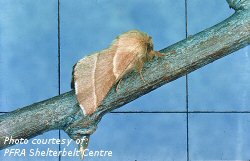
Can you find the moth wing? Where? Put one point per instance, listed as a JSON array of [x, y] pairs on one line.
[[83, 78], [93, 79], [113, 63], [127, 52], [104, 76]]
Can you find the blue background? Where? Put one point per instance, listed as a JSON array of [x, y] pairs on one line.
[[28, 74]]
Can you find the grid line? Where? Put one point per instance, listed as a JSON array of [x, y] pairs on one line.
[[184, 112], [173, 112], [187, 103], [59, 64]]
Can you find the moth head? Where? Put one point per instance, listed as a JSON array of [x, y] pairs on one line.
[[149, 44]]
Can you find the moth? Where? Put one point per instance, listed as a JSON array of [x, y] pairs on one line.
[[96, 74]]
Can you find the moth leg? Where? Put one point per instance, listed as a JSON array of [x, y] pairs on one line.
[[153, 54], [142, 77], [117, 86], [139, 68], [149, 56], [157, 53]]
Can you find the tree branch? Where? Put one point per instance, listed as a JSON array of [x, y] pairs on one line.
[[63, 112]]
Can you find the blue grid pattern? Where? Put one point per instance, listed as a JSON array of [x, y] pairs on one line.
[[184, 117]]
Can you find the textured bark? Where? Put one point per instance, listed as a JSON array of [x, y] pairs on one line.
[[63, 112]]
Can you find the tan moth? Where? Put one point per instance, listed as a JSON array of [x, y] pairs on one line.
[[96, 74]]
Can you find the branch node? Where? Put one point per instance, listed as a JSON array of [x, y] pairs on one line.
[[239, 4], [81, 126]]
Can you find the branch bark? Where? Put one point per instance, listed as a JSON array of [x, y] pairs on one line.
[[63, 112]]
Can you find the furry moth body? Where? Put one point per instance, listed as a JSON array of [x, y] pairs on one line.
[[96, 74]]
